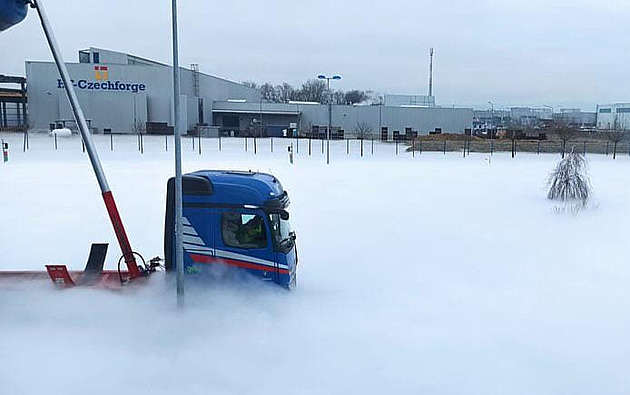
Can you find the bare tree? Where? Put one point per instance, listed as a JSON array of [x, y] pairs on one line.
[[569, 181], [250, 84], [305, 129], [339, 98], [285, 93], [138, 126], [314, 91], [363, 130], [618, 133], [356, 96], [565, 132], [268, 93]]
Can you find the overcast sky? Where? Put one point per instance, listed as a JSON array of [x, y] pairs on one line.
[[535, 52]]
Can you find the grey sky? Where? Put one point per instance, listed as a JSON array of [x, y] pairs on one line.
[[570, 53]]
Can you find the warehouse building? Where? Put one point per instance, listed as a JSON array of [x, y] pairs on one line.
[[122, 93], [613, 116], [13, 103]]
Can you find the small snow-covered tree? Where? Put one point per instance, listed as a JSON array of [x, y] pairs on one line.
[[569, 181]]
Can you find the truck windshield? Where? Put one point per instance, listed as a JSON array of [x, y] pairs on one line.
[[281, 232]]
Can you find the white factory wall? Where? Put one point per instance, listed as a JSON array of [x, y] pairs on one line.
[[113, 109]]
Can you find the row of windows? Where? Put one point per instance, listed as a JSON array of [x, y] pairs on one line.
[[619, 110]]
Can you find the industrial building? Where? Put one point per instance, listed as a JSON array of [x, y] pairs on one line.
[[532, 117], [122, 93], [13, 103], [613, 116]]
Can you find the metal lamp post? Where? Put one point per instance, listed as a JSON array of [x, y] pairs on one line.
[[492, 121], [179, 227], [334, 77]]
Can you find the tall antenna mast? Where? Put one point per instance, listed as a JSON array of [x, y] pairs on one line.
[[431, 73]]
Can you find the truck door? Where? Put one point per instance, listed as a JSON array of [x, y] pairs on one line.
[[243, 240]]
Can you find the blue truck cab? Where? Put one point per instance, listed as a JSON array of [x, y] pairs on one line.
[[233, 219]]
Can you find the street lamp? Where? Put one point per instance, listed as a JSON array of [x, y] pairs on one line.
[[334, 77]]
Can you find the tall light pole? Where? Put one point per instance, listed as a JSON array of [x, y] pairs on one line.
[[179, 226], [492, 119], [334, 77]]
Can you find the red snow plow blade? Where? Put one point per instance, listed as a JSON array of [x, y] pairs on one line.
[[93, 276], [107, 279]]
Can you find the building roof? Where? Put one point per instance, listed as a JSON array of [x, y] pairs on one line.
[[239, 107]]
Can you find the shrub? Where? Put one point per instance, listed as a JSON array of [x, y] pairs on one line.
[[569, 181]]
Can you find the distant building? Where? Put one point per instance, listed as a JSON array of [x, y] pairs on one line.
[[410, 100], [530, 116], [576, 116], [611, 116], [13, 103], [118, 91], [389, 121]]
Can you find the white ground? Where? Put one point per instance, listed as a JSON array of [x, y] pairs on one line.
[[434, 274]]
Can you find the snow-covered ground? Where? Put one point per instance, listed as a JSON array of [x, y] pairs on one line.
[[436, 274]]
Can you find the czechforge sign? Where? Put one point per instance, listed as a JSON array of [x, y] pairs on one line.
[[102, 83]]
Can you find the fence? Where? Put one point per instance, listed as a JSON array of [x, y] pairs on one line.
[[365, 147], [516, 146]]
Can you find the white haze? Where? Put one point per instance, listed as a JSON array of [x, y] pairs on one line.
[[434, 274]]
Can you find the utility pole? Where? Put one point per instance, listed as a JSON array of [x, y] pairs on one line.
[[179, 226], [431, 72]]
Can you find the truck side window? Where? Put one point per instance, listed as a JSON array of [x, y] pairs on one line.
[[243, 230]]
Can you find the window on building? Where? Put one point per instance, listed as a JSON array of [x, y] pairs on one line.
[[96, 58], [242, 230], [605, 110], [84, 57], [623, 110]]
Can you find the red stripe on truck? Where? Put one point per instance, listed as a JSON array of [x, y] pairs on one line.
[[232, 262]]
